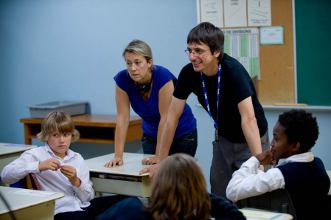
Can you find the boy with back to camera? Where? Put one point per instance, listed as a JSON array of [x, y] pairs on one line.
[[57, 168], [297, 170], [178, 192]]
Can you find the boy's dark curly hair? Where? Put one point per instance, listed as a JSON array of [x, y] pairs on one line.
[[300, 126]]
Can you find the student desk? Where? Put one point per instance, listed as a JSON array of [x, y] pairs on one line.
[[28, 204], [259, 214], [123, 179], [92, 128], [9, 152]]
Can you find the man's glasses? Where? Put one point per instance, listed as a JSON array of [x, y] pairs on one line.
[[194, 52]]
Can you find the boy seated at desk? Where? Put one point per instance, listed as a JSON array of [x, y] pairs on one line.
[[296, 170], [57, 168]]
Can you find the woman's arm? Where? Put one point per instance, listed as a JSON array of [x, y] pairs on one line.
[[122, 123]]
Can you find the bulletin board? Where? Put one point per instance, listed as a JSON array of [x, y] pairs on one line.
[[276, 83]]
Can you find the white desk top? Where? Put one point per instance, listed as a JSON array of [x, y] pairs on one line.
[[258, 214], [19, 198], [7, 148], [131, 164]]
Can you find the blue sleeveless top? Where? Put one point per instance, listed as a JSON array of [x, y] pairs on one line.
[[148, 109]]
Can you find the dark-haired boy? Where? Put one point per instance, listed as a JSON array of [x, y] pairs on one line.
[[296, 170]]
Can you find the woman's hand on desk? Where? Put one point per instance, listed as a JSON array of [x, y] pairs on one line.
[[117, 161]]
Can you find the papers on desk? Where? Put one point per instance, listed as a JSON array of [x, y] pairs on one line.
[[258, 214]]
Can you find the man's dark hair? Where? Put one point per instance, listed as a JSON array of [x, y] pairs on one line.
[[207, 33]]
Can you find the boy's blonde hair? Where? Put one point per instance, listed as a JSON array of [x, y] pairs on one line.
[[57, 121]]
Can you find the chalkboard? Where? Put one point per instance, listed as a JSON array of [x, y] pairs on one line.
[[313, 35]]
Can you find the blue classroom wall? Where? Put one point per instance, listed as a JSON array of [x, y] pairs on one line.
[[71, 49]]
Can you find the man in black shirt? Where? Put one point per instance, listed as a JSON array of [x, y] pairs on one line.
[[226, 91]]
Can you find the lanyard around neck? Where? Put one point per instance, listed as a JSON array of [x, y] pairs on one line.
[[219, 73]]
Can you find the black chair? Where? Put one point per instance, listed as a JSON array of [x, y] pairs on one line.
[[276, 201]]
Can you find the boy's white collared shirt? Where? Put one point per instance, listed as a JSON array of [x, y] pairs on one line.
[[250, 181], [75, 198]]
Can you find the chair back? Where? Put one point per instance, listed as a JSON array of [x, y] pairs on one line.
[[29, 182]]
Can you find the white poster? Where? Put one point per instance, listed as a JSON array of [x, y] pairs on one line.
[[212, 11], [259, 13], [235, 13]]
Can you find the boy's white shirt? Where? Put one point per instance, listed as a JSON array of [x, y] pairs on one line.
[[75, 198], [250, 181]]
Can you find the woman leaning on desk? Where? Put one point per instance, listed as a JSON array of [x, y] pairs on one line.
[[148, 89]]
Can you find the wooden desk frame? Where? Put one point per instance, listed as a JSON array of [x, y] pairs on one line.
[[92, 128]]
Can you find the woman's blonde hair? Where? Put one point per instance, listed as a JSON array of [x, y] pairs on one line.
[[179, 190], [139, 47], [57, 121]]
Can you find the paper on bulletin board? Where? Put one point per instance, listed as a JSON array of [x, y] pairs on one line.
[[259, 13], [272, 35], [212, 11], [243, 44], [235, 14]]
